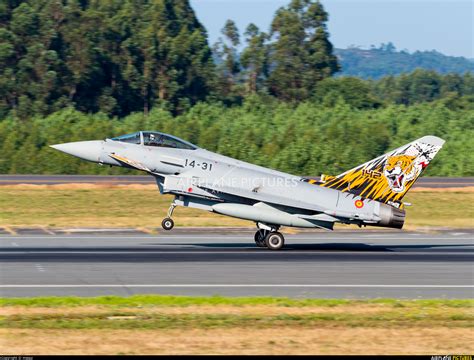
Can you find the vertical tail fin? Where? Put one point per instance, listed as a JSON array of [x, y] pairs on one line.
[[388, 177]]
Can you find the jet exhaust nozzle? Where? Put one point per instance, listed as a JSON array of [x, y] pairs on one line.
[[391, 217]]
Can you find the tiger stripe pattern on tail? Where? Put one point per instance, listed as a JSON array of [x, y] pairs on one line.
[[389, 177]]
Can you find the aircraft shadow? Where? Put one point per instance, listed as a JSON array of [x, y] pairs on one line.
[[236, 252], [335, 246]]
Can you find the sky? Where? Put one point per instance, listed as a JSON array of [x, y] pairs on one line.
[[446, 26]]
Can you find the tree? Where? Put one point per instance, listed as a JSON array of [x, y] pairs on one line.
[[355, 92], [322, 63], [288, 56], [115, 56], [225, 49], [254, 58], [301, 55], [232, 38]]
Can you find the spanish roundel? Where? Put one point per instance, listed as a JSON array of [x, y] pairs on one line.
[[359, 204]]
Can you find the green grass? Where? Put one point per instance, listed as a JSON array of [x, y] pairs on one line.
[[184, 301], [208, 321], [98, 207], [182, 312], [132, 207], [445, 209]]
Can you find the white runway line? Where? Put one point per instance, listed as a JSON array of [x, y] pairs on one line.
[[224, 238], [238, 286], [220, 237], [250, 251]]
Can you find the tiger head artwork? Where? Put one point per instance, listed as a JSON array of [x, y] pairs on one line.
[[399, 169]]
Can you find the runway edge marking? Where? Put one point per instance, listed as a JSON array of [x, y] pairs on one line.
[[234, 285]]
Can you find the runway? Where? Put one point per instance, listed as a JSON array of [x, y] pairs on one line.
[[364, 264], [430, 182]]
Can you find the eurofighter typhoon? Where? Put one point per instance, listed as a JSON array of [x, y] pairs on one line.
[[370, 194]]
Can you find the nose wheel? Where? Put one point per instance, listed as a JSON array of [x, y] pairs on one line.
[[168, 223]]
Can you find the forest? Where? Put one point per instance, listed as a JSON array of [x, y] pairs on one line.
[[88, 69], [385, 60]]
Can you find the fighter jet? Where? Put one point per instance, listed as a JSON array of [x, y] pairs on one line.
[[368, 195]]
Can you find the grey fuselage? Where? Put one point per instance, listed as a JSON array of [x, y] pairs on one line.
[[209, 181]]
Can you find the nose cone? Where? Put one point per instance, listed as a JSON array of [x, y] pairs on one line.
[[87, 150]]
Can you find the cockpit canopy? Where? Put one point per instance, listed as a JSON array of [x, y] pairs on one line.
[[134, 138], [155, 138]]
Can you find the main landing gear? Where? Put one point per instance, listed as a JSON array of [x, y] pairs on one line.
[[168, 222], [260, 236], [269, 238], [274, 241]]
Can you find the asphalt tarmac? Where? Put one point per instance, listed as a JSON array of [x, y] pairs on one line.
[[365, 264], [431, 182]]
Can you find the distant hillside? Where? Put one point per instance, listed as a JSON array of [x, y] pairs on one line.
[[386, 60]]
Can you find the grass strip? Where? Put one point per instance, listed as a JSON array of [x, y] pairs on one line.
[[183, 301], [104, 207], [117, 320], [147, 312]]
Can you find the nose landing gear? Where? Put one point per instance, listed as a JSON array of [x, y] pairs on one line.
[[168, 223]]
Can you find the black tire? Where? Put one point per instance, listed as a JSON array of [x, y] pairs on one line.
[[260, 237], [274, 241], [167, 223]]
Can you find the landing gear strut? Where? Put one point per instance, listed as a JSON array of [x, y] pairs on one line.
[[168, 222]]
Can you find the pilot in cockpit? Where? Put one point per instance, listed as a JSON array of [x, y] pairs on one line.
[[154, 140]]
